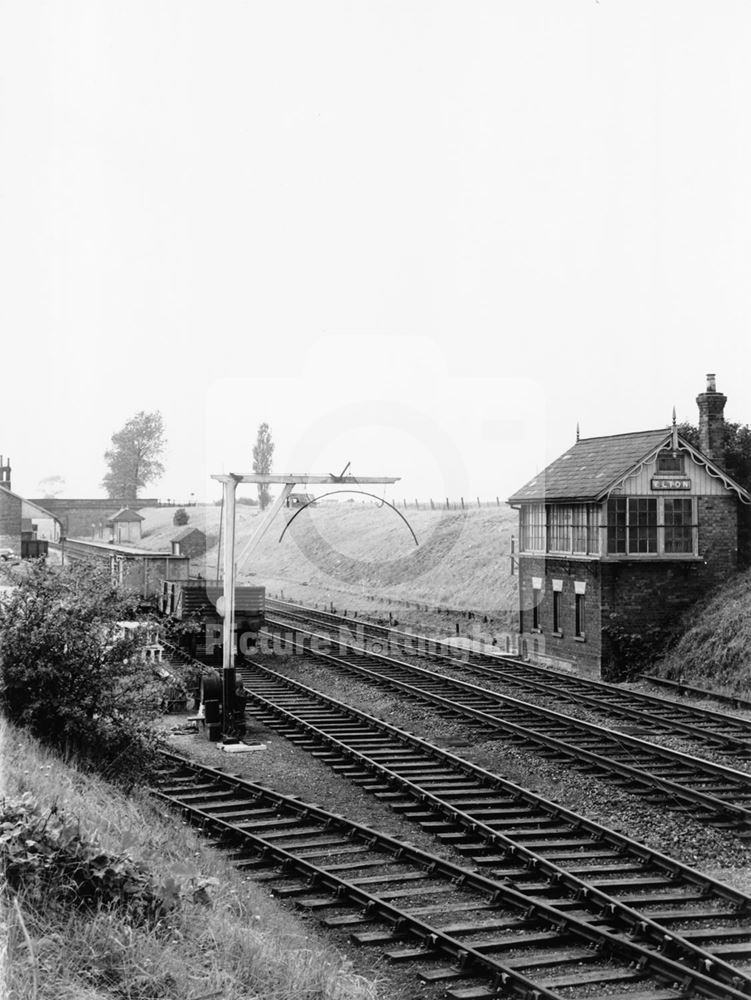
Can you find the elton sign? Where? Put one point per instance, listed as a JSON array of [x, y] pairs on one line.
[[671, 484]]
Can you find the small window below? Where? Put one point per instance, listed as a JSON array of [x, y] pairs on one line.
[[579, 616], [556, 611]]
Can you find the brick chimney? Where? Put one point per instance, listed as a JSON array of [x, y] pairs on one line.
[[711, 422], [4, 473]]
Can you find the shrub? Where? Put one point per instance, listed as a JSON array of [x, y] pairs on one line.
[[181, 516], [71, 675], [45, 857], [632, 651]]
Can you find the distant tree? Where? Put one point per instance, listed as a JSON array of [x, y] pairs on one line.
[[263, 451], [50, 487], [134, 457], [180, 517], [737, 442]]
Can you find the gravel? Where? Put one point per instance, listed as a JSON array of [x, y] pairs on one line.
[[673, 833]]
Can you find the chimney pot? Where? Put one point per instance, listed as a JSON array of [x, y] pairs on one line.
[[711, 382]]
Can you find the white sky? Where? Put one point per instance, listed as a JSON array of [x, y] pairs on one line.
[[426, 237]]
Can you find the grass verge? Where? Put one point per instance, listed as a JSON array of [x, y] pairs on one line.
[[715, 650], [223, 937]]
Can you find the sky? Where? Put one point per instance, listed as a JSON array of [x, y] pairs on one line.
[[427, 238]]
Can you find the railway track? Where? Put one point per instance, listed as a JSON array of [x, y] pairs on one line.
[[479, 936], [540, 848], [696, 692], [643, 712], [712, 793]]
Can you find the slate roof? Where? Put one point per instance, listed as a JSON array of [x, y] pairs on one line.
[[124, 514], [587, 469], [184, 532], [45, 514]]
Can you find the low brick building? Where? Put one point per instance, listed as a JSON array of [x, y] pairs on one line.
[[189, 541], [620, 535], [140, 571]]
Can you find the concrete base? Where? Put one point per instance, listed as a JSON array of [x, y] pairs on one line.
[[241, 747]]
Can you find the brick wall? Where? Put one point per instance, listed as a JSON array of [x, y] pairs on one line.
[[565, 650], [635, 596], [10, 521], [719, 525], [194, 544], [654, 595], [643, 598]]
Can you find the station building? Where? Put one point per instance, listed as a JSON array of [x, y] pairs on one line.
[[140, 571], [25, 526], [620, 535]]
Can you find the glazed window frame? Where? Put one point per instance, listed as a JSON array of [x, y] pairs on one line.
[[651, 526]]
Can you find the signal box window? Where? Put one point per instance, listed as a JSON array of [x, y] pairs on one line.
[[679, 529], [617, 525], [632, 525], [642, 525]]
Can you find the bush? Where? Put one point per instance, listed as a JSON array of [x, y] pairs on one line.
[[631, 652], [181, 516], [72, 676], [45, 857]]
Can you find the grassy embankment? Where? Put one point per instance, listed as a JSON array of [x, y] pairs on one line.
[[715, 649], [347, 552], [224, 939]]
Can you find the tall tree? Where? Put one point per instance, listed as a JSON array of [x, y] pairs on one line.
[[737, 443], [263, 452], [134, 457]]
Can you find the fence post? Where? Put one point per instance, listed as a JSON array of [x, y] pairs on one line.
[[432, 505], [462, 500], [478, 501]]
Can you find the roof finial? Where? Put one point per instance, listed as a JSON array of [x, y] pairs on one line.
[[577, 430], [674, 442]]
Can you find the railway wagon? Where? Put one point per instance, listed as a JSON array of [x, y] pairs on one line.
[[198, 603]]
